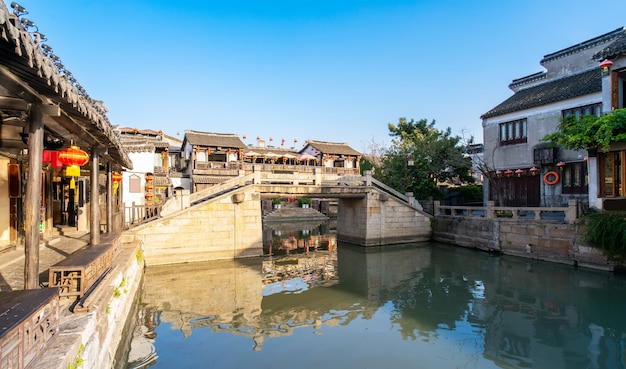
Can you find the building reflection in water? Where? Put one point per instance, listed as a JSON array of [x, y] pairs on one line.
[[514, 312]]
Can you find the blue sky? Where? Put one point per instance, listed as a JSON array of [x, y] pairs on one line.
[[331, 70]]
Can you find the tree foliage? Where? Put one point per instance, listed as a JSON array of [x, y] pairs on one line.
[[590, 132], [422, 155]]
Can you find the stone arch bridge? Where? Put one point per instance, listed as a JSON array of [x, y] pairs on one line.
[[225, 221]]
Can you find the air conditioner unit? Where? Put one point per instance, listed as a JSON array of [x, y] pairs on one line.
[[545, 155]]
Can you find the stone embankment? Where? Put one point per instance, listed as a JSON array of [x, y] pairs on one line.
[[541, 240], [90, 338]]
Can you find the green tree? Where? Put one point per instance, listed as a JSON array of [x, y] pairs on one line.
[[422, 155], [365, 164], [590, 132]]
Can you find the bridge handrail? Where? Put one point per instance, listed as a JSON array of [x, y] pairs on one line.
[[224, 186], [368, 180], [389, 190], [570, 212]]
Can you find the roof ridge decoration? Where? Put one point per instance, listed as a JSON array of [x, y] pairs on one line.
[[607, 37], [211, 133], [39, 59], [528, 79], [26, 47], [329, 142], [614, 49]]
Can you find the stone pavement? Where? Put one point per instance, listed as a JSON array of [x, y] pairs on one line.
[[55, 248]]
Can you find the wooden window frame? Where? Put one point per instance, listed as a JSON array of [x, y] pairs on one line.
[[579, 111], [575, 179], [513, 132]]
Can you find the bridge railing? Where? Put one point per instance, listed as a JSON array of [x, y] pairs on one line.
[[228, 185], [367, 180], [568, 213]]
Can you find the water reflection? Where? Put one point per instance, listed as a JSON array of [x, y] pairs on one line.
[[425, 305], [299, 236]]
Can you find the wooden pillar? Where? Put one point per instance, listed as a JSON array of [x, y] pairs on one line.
[[94, 229], [32, 200], [109, 197]]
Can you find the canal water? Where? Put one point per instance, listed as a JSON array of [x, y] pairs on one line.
[[316, 303]]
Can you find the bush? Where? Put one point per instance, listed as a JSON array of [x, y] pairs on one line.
[[304, 200], [607, 231], [276, 201]]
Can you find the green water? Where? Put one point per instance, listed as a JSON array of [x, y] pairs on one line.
[[412, 306]]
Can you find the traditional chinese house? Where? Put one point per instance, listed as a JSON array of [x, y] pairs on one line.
[[58, 150], [333, 155], [210, 158]]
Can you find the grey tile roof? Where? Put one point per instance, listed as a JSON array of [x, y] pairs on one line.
[[138, 143], [333, 148], [558, 90], [607, 37], [614, 49], [214, 139], [204, 179]]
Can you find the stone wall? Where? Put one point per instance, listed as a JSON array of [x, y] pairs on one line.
[[541, 240], [228, 226], [386, 221], [92, 337]]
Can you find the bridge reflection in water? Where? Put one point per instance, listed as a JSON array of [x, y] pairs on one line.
[[419, 305]]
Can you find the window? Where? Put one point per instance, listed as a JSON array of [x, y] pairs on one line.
[[134, 184], [575, 178], [514, 132], [593, 109]]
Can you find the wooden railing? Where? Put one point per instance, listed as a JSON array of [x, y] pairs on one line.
[[568, 213], [138, 214]]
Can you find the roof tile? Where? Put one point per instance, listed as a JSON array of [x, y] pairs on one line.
[[558, 90]]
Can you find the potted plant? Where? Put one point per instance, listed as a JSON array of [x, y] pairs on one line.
[[276, 203], [304, 202]]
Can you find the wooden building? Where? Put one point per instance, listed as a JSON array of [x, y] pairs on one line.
[[333, 154], [210, 158], [44, 111]]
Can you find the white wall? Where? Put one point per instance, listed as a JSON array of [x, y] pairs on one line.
[[143, 162], [540, 121]]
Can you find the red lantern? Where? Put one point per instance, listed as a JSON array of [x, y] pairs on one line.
[[73, 158], [533, 170], [560, 165], [508, 172], [149, 177], [519, 172], [116, 177], [605, 65]]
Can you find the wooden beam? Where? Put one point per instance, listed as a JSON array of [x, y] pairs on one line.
[[19, 88], [13, 104]]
